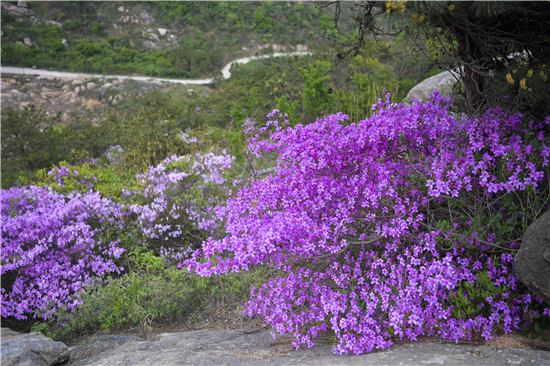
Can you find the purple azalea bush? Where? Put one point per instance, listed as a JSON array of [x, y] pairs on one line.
[[349, 214], [53, 245], [177, 196]]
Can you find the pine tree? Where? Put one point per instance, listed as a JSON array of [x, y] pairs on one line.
[[500, 49]]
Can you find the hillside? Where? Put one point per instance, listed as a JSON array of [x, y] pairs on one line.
[[169, 39]]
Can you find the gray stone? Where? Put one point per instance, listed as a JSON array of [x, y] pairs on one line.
[[27, 42], [442, 82], [154, 37], [121, 9], [14, 10], [532, 262], [146, 18], [216, 348], [90, 86], [22, 4], [162, 31], [52, 23], [31, 349], [64, 42]]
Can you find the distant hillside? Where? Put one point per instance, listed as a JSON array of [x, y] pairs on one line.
[[167, 39]]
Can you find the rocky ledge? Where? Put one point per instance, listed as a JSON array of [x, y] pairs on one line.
[[252, 347]]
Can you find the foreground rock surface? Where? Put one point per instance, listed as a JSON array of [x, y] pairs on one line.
[[532, 263], [231, 347], [32, 349]]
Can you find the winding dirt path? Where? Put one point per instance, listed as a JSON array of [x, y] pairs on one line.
[[225, 71]]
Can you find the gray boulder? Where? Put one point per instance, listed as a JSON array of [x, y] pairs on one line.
[[258, 348], [27, 41], [442, 82], [14, 10], [33, 349], [532, 262]]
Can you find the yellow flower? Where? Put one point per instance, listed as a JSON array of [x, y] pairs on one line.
[[529, 73], [463, 88], [451, 7], [420, 19], [509, 78], [390, 5], [401, 5], [414, 18], [514, 71], [522, 84], [543, 75]]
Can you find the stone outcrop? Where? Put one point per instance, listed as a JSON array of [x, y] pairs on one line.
[[14, 10], [31, 349], [532, 262], [257, 347], [442, 82]]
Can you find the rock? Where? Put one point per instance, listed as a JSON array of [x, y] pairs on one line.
[[147, 19], [154, 37], [301, 47], [106, 86], [13, 9], [442, 82], [246, 49], [22, 4], [27, 42], [150, 45], [52, 23], [64, 42], [121, 9], [77, 90], [31, 349], [162, 31], [115, 25], [100, 344], [230, 347], [90, 85], [34, 20], [532, 262], [78, 81], [65, 87]]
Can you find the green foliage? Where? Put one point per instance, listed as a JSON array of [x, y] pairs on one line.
[[538, 329], [469, 299], [288, 109], [29, 142], [97, 28], [43, 328], [316, 97]]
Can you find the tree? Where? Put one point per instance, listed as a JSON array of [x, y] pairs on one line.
[[500, 50], [29, 142]]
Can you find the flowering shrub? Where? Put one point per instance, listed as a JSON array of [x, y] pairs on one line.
[[176, 198], [64, 175], [398, 225], [115, 154], [53, 245]]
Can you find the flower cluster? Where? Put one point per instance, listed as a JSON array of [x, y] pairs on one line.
[[64, 174], [346, 215], [53, 245], [178, 194], [115, 154]]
